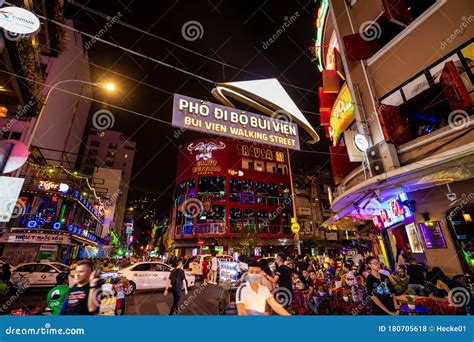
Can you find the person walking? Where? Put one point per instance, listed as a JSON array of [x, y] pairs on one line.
[[81, 298], [214, 267], [177, 282]]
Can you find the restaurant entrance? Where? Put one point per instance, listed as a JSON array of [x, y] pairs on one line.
[[400, 238]]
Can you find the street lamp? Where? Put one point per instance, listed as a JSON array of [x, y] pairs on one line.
[[107, 86]]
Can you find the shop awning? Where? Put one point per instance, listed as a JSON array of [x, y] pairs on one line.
[[453, 165]]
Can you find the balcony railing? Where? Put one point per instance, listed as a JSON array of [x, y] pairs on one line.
[[210, 228], [235, 228]]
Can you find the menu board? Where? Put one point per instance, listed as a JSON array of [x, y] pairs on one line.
[[433, 235]]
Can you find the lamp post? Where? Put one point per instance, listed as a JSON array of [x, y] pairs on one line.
[[106, 86]]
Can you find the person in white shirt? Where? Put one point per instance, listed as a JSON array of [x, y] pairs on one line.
[[252, 296], [213, 273]]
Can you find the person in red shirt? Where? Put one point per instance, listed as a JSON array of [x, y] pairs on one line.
[[205, 270]]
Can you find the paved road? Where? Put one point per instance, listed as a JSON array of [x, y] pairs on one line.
[[201, 300]]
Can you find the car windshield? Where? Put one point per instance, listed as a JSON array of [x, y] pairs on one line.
[[60, 267]]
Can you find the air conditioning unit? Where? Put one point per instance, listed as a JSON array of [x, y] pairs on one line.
[[381, 158]]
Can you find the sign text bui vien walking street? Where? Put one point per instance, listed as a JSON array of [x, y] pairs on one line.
[[212, 118]]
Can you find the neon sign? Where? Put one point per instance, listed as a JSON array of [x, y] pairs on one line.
[[47, 185], [320, 21], [342, 114], [330, 55]]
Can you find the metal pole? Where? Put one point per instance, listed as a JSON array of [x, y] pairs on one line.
[[293, 197]]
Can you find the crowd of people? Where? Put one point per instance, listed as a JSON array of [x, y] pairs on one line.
[[321, 284]]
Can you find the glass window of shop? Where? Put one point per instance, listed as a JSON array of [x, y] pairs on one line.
[[249, 221], [235, 187], [274, 219], [261, 191], [286, 221], [215, 213], [272, 191], [461, 225], [262, 217], [247, 191], [185, 189], [214, 186], [235, 220], [284, 193]]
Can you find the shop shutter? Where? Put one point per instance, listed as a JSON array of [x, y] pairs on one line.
[[395, 127], [397, 12], [340, 163], [454, 88], [358, 48]]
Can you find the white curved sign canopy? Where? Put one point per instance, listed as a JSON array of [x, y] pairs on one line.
[[266, 95], [19, 21]]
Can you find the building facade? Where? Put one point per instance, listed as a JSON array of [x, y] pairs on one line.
[[396, 102], [231, 196], [57, 217], [110, 150]]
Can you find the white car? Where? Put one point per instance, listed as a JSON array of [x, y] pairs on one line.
[[37, 274], [196, 266], [148, 276]]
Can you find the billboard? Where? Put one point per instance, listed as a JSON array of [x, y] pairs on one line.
[[212, 118]]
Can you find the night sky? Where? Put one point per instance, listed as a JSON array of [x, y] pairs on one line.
[[234, 32]]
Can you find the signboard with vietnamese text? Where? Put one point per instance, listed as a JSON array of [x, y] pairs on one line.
[[34, 238], [211, 118]]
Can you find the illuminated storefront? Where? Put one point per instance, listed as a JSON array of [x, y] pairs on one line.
[[56, 222], [396, 225], [229, 193]]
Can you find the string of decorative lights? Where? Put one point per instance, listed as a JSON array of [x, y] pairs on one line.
[[74, 174]]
